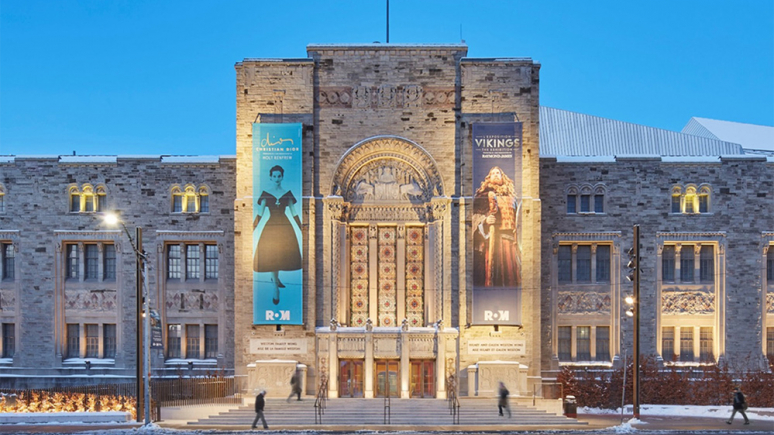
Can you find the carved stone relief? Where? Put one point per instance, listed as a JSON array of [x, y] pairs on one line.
[[187, 302], [422, 347], [386, 96], [94, 301], [7, 301], [386, 347], [578, 302], [687, 302], [351, 347]]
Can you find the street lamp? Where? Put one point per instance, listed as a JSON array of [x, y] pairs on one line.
[[634, 312], [143, 316]]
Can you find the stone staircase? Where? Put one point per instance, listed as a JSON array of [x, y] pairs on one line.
[[370, 412]]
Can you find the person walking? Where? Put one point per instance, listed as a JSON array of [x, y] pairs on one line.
[[740, 405], [295, 385], [502, 402], [259, 404]]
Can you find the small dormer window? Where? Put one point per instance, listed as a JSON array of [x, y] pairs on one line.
[[189, 199], [690, 200], [87, 198]]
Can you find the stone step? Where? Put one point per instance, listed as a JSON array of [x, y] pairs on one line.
[[370, 412]]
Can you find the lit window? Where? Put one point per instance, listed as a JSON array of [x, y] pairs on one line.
[[565, 343], [584, 343], [92, 341], [9, 340], [173, 262], [92, 261], [192, 341], [191, 261], [173, 341], [9, 261], [189, 201], [88, 199], [72, 261], [770, 342], [109, 266], [109, 340], [73, 340], [603, 343], [210, 341], [668, 343], [211, 262], [690, 200], [2, 198]]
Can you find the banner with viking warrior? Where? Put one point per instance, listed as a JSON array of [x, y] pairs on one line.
[[277, 262], [496, 223]]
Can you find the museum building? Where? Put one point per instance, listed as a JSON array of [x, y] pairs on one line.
[[398, 220]]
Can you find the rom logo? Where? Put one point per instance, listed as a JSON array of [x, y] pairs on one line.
[[501, 315], [277, 315]]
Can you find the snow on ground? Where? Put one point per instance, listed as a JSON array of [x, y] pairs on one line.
[[759, 414]]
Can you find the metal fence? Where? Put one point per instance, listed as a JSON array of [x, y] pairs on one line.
[[195, 391]]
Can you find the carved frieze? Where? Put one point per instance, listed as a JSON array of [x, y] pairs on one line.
[[582, 302], [386, 96], [351, 347], [422, 346], [7, 301], [687, 302], [387, 347], [340, 97], [90, 300], [770, 303], [186, 302], [388, 213]]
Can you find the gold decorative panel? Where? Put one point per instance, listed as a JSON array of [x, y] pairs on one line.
[[415, 272]]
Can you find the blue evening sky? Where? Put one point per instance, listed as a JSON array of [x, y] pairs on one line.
[[157, 77]]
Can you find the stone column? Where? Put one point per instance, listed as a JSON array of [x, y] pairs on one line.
[[333, 366], [368, 390], [440, 362], [472, 370], [405, 363]]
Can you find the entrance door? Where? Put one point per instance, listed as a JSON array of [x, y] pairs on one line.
[[386, 378], [422, 378], [351, 378]]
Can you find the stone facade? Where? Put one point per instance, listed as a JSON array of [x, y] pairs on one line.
[[43, 297]]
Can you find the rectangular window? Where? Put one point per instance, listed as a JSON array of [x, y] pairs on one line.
[[73, 340], [109, 340], [668, 343], [92, 261], [109, 263], [687, 263], [9, 261], [204, 203], [571, 205], [675, 203], [707, 264], [599, 203], [770, 265], [72, 261], [770, 342], [177, 203], [583, 263], [703, 203], [210, 341], [686, 344], [173, 262], [9, 340], [211, 262], [191, 261], [192, 341], [603, 263], [668, 264], [2, 202], [75, 203], [173, 341], [585, 203], [99, 201], [603, 343], [583, 342], [565, 263], [565, 343], [92, 341], [705, 344]]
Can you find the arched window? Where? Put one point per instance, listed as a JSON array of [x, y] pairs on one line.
[[87, 199], [704, 199], [691, 200], [177, 199], [100, 198], [189, 201], [677, 195], [204, 199], [572, 200], [599, 199], [585, 199], [2, 198], [75, 199]]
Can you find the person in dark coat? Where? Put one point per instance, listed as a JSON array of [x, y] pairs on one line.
[[295, 385], [502, 401], [259, 404], [740, 405]]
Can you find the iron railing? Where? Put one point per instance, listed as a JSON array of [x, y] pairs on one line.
[[196, 391], [320, 402], [453, 401]]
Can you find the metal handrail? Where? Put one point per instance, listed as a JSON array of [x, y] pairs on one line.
[[454, 402], [321, 400], [387, 407]]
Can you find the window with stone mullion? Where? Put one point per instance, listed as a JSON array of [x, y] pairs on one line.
[[192, 256], [92, 341], [9, 340], [92, 261], [564, 343], [583, 263], [687, 264], [707, 264], [9, 261]]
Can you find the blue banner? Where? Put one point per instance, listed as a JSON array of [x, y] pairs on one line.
[[496, 223], [278, 273]]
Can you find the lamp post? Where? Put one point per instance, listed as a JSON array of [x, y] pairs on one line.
[[143, 317], [634, 312]]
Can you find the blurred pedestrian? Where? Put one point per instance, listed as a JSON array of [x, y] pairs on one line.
[[502, 402], [259, 404], [295, 385], [740, 405]]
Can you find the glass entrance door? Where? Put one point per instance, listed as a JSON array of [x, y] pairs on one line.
[[351, 378], [386, 378], [423, 378]]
